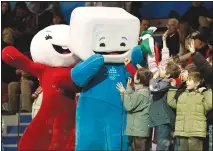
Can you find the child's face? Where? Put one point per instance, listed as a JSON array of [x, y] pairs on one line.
[[191, 84], [184, 74]]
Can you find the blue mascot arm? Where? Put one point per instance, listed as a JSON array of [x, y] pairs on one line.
[[137, 57], [82, 73]]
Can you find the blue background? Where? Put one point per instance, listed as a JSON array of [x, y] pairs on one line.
[[148, 9]]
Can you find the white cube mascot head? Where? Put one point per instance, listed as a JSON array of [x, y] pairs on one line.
[[49, 46], [109, 31]]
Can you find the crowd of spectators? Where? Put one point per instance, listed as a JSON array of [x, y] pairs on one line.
[[189, 40], [19, 25]]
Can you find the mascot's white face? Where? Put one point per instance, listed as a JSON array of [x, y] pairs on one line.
[[109, 31], [49, 46]]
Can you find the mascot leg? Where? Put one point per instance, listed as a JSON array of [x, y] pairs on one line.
[[38, 134], [91, 127], [116, 125], [64, 129]]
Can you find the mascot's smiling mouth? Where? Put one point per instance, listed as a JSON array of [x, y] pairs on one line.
[[61, 50], [111, 53]]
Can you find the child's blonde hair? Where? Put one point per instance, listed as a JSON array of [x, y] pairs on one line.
[[172, 69], [195, 76]]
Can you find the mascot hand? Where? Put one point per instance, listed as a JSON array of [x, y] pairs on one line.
[[10, 54], [139, 66], [137, 56]]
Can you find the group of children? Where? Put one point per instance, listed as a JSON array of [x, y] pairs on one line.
[[171, 101]]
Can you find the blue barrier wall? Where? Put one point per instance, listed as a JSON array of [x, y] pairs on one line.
[[162, 9], [148, 9]]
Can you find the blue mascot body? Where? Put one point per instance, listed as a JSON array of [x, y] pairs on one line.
[[100, 116]]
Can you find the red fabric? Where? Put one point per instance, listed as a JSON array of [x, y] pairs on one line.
[[4, 91], [54, 126], [190, 60], [131, 69], [207, 55], [76, 99], [178, 82], [157, 55]]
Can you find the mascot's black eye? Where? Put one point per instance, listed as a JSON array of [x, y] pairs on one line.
[[102, 45], [48, 37], [123, 44]]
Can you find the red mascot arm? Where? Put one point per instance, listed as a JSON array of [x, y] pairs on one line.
[[13, 57], [64, 80]]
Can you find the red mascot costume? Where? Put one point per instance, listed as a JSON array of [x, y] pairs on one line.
[[53, 128]]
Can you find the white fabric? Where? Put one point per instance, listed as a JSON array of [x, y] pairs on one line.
[[42, 50], [36, 105], [2, 124], [165, 56], [152, 65], [91, 26]]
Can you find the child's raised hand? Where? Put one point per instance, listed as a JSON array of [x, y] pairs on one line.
[[129, 81], [172, 82], [120, 87], [165, 35], [126, 61]]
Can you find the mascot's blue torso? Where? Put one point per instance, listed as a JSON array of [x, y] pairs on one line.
[[101, 118], [103, 86]]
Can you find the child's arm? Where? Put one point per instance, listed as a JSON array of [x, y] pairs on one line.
[[157, 85], [172, 102], [131, 69], [208, 100]]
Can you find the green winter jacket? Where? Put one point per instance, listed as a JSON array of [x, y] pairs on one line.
[[191, 109], [137, 103]]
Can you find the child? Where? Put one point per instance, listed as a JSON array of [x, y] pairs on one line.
[[184, 76], [137, 102], [162, 117], [191, 108]]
